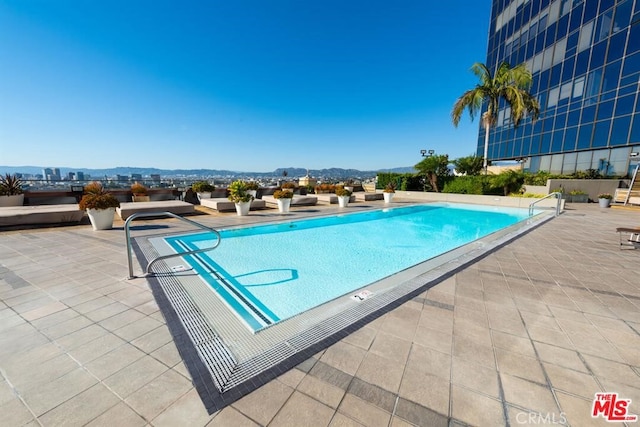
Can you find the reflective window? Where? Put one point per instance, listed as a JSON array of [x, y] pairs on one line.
[[586, 33], [570, 136], [560, 49], [622, 16], [635, 130], [603, 28], [584, 136], [545, 163], [618, 160], [588, 114], [597, 55], [631, 64], [573, 118], [578, 87], [605, 110], [620, 131], [556, 142], [601, 134], [569, 163], [624, 105], [611, 76], [583, 160], [553, 97], [633, 45]]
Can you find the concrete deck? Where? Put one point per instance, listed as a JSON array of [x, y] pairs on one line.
[[534, 329]]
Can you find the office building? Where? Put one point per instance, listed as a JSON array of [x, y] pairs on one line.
[[585, 60]]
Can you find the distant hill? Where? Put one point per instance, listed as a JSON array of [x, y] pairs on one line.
[[128, 170]]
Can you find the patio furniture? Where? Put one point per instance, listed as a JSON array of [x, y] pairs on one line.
[[629, 236]]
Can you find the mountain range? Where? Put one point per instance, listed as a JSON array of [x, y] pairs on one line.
[[279, 172]]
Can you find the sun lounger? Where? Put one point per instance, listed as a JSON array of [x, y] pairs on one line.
[[178, 207], [295, 201], [629, 236], [368, 197], [40, 214], [224, 205]]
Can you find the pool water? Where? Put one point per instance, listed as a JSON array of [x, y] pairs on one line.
[[268, 273]]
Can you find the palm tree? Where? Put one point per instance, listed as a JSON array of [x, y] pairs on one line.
[[510, 84]]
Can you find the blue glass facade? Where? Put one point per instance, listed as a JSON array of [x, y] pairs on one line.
[[585, 60]]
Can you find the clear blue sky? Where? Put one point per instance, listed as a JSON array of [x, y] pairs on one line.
[[246, 85]]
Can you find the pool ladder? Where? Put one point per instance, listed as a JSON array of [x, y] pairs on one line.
[[556, 194], [148, 271]]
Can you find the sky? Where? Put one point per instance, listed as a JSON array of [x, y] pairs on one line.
[[245, 85]]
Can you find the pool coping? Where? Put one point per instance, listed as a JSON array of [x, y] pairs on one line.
[[217, 376]]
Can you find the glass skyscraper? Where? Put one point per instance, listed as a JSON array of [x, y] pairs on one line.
[[585, 60]]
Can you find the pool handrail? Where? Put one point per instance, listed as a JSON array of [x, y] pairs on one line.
[[148, 271], [556, 194]]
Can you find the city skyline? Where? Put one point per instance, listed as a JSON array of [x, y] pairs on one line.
[[241, 86]]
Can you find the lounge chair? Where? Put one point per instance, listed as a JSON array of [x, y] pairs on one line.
[[629, 236]]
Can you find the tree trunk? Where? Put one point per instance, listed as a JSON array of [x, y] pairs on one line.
[[487, 126]]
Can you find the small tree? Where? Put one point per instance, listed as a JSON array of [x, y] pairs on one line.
[[510, 181], [434, 167], [469, 165]]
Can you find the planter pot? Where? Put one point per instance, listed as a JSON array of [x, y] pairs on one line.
[[253, 193], [140, 198], [604, 203], [14, 200], [242, 208], [283, 205], [204, 195], [578, 198], [349, 188], [101, 219], [388, 197], [343, 201]]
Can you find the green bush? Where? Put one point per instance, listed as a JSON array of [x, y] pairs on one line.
[[466, 185]]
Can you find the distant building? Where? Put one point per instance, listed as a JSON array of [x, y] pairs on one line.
[[585, 60], [47, 173], [155, 178], [136, 177], [307, 180], [80, 176], [122, 178], [71, 176]]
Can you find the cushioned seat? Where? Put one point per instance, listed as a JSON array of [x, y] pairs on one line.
[[224, 205], [177, 207]]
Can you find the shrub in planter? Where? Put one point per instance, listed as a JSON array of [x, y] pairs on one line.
[[202, 187], [10, 185], [282, 194], [341, 192], [96, 197], [253, 185], [138, 189], [605, 196], [238, 192], [390, 188]]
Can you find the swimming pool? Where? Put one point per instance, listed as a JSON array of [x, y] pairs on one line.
[[269, 273]]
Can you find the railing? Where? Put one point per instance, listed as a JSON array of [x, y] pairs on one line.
[[148, 271], [556, 194]]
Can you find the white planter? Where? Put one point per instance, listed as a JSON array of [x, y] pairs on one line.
[[253, 193], [349, 188], [343, 201], [388, 197], [101, 219], [283, 205], [604, 203], [15, 200], [204, 195], [242, 208]]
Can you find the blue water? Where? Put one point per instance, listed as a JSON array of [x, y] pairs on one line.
[[273, 272]]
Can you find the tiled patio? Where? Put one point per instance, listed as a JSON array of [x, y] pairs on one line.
[[537, 327]]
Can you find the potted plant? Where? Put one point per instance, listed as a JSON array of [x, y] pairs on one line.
[[203, 189], [389, 192], [578, 196], [11, 193], [139, 192], [289, 186], [238, 194], [604, 200], [100, 206], [344, 196], [283, 197], [252, 188]]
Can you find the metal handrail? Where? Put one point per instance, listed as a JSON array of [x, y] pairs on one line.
[[127, 234], [556, 194], [633, 180]]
